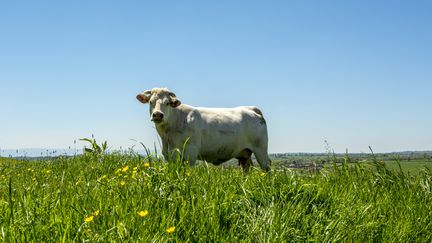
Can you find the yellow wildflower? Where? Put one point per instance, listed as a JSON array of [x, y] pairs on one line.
[[96, 213], [118, 170], [146, 165], [135, 168], [126, 168], [188, 173], [89, 219], [122, 183], [170, 230], [262, 174], [103, 177], [143, 213]]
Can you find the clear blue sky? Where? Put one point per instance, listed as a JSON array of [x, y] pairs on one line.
[[354, 73]]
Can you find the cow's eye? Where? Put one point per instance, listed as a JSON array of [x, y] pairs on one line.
[[167, 103]]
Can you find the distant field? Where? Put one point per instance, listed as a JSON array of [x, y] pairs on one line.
[[413, 166], [409, 167], [118, 197]]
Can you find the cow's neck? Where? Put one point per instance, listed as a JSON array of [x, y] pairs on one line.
[[171, 126], [162, 129]]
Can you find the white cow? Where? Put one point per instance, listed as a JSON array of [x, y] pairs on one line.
[[211, 134]]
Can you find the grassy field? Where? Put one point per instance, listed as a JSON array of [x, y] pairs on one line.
[[133, 198], [413, 166]]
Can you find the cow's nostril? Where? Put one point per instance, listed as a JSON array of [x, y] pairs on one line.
[[158, 115]]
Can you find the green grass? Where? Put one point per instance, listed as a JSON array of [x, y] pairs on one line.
[[50, 201], [412, 166]]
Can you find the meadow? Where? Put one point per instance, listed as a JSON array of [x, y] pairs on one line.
[[120, 197]]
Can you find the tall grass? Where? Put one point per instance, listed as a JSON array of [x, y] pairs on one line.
[[86, 199]]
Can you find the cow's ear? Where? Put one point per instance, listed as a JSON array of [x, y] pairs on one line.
[[175, 102], [144, 97]]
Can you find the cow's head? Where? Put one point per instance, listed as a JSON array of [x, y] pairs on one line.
[[162, 101]]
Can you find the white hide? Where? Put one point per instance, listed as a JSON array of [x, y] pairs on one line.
[[211, 134]]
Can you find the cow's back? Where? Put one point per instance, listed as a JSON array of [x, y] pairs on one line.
[[225, 132]]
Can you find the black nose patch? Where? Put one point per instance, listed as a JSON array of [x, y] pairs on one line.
[[157, 116]]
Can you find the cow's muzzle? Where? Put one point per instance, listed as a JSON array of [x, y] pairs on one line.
[[157, 117]]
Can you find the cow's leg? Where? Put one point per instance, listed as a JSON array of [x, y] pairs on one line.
[[192, 160], [263, 159], [191, 155], [165, 151], [245, 163], [244, 159]]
